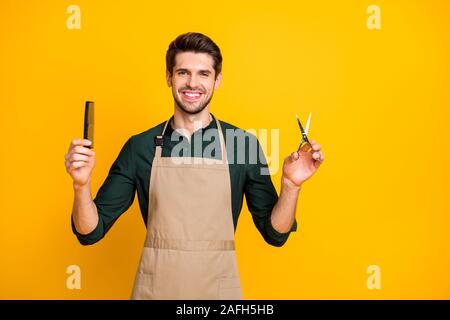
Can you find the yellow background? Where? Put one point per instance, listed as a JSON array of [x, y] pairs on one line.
[[380, 104]]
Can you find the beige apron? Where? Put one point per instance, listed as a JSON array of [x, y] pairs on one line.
[[189, 248]]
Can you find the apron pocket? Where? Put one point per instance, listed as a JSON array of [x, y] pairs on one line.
[[230, 288], [144, 286]]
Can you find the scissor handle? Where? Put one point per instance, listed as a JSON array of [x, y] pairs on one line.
[[305, 146]]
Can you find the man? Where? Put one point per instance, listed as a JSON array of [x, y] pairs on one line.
[[190, 208]]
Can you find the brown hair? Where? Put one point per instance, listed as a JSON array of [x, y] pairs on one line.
[[193, 42]]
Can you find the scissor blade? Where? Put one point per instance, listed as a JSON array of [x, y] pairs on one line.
[[300, 125], [304, 136], [307, 123]]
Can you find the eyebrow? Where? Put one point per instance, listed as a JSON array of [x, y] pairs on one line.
[[186, 70]]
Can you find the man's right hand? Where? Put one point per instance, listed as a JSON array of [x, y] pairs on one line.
[[79, 162]]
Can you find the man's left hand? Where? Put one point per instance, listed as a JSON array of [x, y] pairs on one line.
[[301, 165]]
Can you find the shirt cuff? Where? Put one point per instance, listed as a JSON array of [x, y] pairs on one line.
[[90, 238], [278, 238]]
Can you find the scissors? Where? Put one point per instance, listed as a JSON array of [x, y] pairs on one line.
[[305, 145]]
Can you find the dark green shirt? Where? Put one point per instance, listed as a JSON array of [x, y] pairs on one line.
[[131, 171]]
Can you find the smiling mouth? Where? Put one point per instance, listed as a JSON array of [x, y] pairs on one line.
[[191, 95]]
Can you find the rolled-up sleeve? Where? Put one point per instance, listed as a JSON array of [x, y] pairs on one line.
[[261, 198], [114, 197]]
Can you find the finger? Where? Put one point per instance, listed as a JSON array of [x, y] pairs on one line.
[[316, 147], [294, 156], [81, 142], [83, 150], [67, 156], [76, 165], [78, 157], [69, 167], [319, 162], [316, 156], [320, 157], [305, 147], [291, 157]]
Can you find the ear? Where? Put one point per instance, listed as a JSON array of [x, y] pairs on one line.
[[218, 81], [168, 78]]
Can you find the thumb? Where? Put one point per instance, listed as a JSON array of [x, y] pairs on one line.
[[294, 156]]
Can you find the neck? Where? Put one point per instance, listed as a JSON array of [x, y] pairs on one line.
[[189, 123]]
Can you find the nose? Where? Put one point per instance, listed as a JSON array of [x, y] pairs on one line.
[[192, 81]]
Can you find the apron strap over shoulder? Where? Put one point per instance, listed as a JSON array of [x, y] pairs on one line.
[[223, 147], [159, 140]]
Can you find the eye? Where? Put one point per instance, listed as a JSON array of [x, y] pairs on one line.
[[181, 73], [204, 74]]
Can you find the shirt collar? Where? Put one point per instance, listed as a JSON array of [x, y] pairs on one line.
[[212, 125]]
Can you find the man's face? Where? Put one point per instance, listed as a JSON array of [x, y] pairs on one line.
[[193, 81]]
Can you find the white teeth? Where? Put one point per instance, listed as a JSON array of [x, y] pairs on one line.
[[192, 95]]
